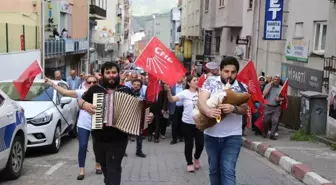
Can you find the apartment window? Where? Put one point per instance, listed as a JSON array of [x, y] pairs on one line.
[[157, 33], [157, 24], [206, 6], [320, 36], [250, 4], [221, 3], [298, 32]]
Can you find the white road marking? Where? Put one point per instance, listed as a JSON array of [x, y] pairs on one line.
[[54, 168], [43, 165]]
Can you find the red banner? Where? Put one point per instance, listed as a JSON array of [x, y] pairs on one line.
[[160, 62]]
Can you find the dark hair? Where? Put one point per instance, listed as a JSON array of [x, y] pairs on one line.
[[109, 65], [229, 60], [188, 80], [137, 80]]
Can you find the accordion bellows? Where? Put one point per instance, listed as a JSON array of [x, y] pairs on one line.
[[120, 110], [226, 97]]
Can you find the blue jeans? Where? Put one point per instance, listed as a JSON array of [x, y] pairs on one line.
[[83, 137], [222, 158]]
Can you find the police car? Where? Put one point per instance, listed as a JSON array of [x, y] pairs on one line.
[[13, 137]]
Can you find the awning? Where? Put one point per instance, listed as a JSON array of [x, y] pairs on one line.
[[179, 29]]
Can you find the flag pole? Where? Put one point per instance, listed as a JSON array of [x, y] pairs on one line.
[[283, 86]]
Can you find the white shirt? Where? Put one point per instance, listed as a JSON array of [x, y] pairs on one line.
[[84, 118], [231, 125], [189, 100]]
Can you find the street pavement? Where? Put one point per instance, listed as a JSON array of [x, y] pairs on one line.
[[165, 165], [316, 155]]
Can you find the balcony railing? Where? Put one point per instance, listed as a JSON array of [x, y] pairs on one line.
[[96, 11], [18, 37], [56, 48]]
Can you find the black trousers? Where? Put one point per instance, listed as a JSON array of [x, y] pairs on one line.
[[160, 126], [192, 133], [177, 123], [110, 156]]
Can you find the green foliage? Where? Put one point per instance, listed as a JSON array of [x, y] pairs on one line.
[[301, 135]]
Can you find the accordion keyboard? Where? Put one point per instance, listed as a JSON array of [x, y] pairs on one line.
[[98, 117]]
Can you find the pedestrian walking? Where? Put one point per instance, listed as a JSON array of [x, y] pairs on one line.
[[83, 124], [189, 97], [110, 142], [272, 110], [223, 140]]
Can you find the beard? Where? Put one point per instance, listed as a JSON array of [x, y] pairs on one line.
[[225, 81], [111, 85]]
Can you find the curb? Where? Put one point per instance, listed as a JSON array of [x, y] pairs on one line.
[[300, 171]]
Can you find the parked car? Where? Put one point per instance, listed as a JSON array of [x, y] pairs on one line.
[[13, 137], [49, 115]]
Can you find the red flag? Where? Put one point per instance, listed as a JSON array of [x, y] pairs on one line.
[[283, 93], [201, 80], [153, 88], [248, 117], [259, 123], [160, 62], [24, 82], [248, 76]]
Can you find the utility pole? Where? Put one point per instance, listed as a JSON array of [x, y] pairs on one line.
[[88, 40], [42, 39]]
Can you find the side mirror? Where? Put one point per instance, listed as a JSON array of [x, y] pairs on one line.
[[65, 100]]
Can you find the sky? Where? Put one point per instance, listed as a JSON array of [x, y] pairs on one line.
[[148, 7]]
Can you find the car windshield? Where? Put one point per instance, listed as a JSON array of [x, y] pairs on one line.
[[37, 92]]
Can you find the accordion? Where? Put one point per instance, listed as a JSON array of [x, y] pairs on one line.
[[120, 110]]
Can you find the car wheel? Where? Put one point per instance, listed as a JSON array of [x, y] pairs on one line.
[[56, 145], [15, 160]]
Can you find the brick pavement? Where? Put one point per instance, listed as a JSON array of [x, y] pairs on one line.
[[164, 165]]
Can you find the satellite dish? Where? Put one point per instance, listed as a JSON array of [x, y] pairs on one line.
[[239, 51]]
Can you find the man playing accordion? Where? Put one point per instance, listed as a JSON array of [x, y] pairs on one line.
[[111, 143]]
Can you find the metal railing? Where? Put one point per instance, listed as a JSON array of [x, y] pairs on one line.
[[18, 37], [61, 47], [329, 68]]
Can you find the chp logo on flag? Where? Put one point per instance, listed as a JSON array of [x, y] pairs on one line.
[[158, 64], [157, 60]]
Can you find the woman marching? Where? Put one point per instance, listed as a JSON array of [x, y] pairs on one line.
[[189, 97], [83, 123]]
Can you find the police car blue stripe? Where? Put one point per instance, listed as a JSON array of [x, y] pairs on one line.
[[6, 132]]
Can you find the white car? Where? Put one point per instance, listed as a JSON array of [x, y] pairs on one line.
[[13, 137], [49, 115]]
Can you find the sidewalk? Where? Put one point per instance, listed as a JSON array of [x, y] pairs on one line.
[[319, 157]]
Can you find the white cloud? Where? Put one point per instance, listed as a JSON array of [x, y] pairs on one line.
[[147, 7]]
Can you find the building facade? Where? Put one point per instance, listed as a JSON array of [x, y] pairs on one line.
[[159, 25], [20, 38], [222, 24], [106, 47], [123, 27], [175, 16], [67, 50], [330, 63], [191, 29]]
